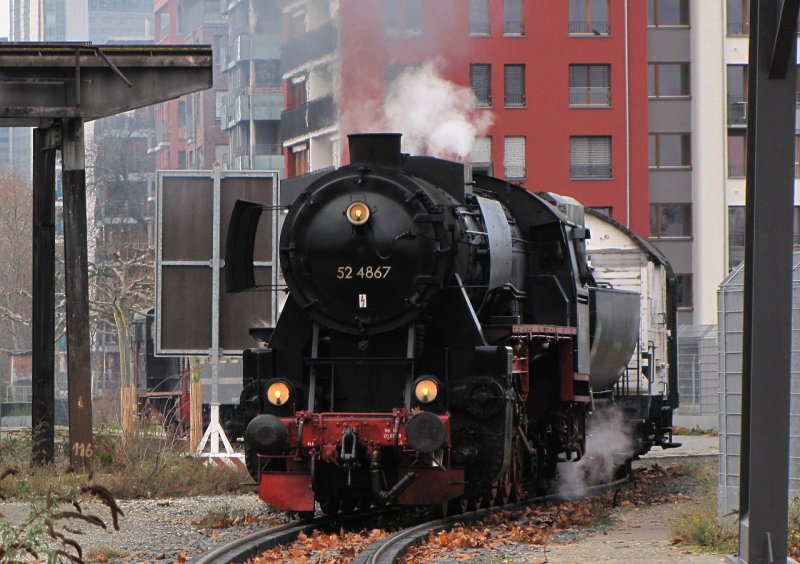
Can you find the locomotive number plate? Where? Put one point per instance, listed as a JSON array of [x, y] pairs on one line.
[[369, 272]]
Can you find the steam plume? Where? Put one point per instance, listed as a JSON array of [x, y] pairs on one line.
[[607, 446], [436, 117]]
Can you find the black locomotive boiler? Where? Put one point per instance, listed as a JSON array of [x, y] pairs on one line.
[[442, 340]]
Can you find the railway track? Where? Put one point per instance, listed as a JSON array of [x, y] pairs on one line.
[[384, 551], [389, 549], [240, 550]]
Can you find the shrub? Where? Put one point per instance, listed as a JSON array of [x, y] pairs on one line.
[[698, 524], [149, 464], [43, 532]]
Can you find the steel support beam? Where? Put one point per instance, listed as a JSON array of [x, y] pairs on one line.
[[766, 358], [45, 142], [785, 36], [40, 81], [57, 87], [81, 443]]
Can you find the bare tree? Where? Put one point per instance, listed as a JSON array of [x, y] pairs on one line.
[[122, 269], [15, 264]]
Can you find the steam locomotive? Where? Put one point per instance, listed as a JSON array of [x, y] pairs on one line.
[[443, 340]]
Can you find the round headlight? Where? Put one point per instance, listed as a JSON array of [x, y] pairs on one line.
[[278, 393], [357, 213], [426, 390]]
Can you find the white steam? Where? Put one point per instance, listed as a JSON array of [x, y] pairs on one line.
[[607, 446], [436, 117]]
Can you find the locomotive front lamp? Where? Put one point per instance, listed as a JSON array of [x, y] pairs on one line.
[[357, 213], [426, 390], [278, 393]]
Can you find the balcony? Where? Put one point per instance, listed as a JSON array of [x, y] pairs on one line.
[[513, 27], [582, 171], [302, 120], [269, 149], [311, 46], [267, 105], [268, 162], [264, 48], [737, 109], [582, 27], [589, 96]]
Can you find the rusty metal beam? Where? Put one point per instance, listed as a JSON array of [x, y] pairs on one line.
[[81, 443], [44, 82], [43, 342]]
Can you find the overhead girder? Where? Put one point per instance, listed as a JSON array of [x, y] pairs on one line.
[[42, 82]]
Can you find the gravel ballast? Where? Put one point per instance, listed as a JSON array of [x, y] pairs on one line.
[[164, 530]]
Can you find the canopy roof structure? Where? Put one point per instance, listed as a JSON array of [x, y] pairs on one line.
[[42, 82], [56, 88]]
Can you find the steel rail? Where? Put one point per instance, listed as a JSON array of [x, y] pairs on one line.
[[389, 549], [242, 549]]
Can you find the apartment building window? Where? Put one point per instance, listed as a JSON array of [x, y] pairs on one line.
[[738, 15], [299, 158], [479, 17], [514, 84], [668, 80], [482, 150], [737, 153], [220, 51], [589, 85], [588, 17], [220, 100], [514, 157], [737, 94], [239, 78], [797, 156], [590, 157], [670, 220], [684, 300], [735, 236], [513, 20], [296, 92], [162, 17], [297, 23], [394, 71], [182, 118], [480, 79], [736, 226], [403, 17], [670, 150], [268, 73], [668, 13]]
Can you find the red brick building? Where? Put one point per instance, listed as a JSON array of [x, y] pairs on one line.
[[565, 84], [170, 136], [188, 130]]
